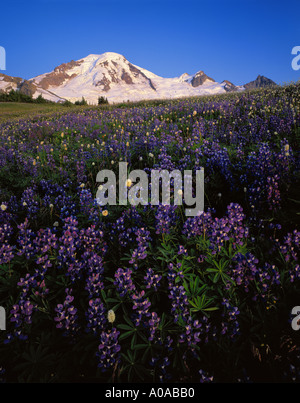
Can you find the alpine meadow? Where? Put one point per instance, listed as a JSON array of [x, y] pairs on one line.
[[144, 293], [149, 195]]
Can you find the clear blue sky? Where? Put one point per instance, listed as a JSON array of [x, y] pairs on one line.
[[233, 40]]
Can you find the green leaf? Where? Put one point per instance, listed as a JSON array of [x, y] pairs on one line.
[[125, 335], [213, 308], [140, 346], [124, 327], [129, 321], [112, 300], [144, 356], [133, 341], [211, 270]]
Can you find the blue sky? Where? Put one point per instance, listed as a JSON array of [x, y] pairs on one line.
[[233, 40]]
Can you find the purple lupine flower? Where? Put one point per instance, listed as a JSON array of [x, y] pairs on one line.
[[123, 282], [92, 241], [108, 349], [191, 336], [45, 240], [27, 283], [6, 253], [273, 192], [198, 225], [140, 306], [152, 279], [164, 376], [143, 238], [89, 205], [267, 278], [230, 322], [204, 377], [165, 160], [160, 364], [119, 230], [243, 270], [168, 343], [6, 250], [29, 203], [228, 227], [165, 218], [182, 250], [153, 324], [66, 317], [95, 316], [80, 168], [177, 294], [21, 315], [289, 250], [69, 242], [94, 281], [45, 264], [25, 240]]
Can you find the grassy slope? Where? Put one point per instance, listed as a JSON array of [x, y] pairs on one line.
[[18, 110], [12, 110]]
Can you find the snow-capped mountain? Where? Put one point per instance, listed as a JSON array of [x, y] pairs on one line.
[[112, 76]]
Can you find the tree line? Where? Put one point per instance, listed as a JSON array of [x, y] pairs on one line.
[[17, 96]]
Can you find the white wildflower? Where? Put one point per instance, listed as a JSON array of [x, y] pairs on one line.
[[111, 317]]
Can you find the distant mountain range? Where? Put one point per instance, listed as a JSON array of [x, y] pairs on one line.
[[112, 76]]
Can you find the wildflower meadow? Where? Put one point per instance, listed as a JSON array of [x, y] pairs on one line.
[[124, 293]]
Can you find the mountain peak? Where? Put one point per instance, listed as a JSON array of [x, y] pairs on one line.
[[199, 78], [228, 86], [259, 82], [184, 77], [104, 56], [112, 55]]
